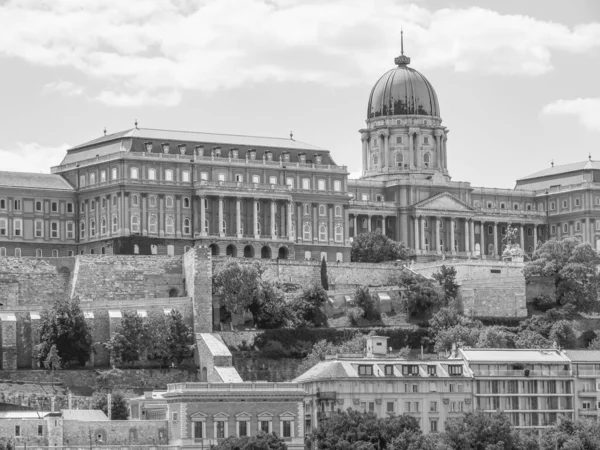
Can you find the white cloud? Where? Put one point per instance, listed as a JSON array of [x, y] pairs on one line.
[[587, 110], [32, 157], [147, 52], [63, 87]]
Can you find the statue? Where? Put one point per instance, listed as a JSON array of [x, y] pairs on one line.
[[512, 251]]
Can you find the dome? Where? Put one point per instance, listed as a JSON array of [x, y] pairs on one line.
[[401, 91]]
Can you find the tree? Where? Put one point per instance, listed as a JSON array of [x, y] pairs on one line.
[[64, 327], [52, 361], [376, 247], [238, 285], [119, 404], [356, 344], [130, 340], [446, 278], [594, 344], [420, 294], [308, 309], [573, 267], [479, 430], [582, 434], [362, 430], [368, 303], [270, 310], [261, 441], [324, 280]]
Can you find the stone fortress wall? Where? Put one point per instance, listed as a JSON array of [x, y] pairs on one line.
[[107, 285]]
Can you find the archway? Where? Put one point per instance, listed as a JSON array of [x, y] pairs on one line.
[[214, 249], [248, 251], [173, 292], [231, 250], [265, 252], [283, 253]]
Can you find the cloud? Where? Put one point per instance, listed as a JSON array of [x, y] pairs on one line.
[[32, 157], [149, 52], [63, 87], [587, 110]]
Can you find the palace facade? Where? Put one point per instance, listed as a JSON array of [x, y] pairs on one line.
[[154, 191]]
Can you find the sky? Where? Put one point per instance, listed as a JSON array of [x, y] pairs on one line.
[[517, 81]]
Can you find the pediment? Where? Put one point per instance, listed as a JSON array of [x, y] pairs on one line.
[[265, 414], [220, 415], [443, 202], [198, 414], [243, 414], [287, 414]]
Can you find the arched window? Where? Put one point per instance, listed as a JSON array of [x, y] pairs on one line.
[[258, 228], [186, 226], [323, 232], [92, 178], [565, 228], [375, 161], [103, 226], [152, 174], [152, 201], [114, 224], [186, 202], [169, 202], [399, 159], [338, 211], [2, 251], [290, 182], [206, 227], [135, 200], [135, 224], [168, 175], [92, 228], [529, 231], [305, 183], [134, 173], [103, 202], [55, 253], [339, 233], [152, 224], [577, 226], [321, 185], [306, 209], [38, 253], [426, 159], [170, 225], [306, 232], [322, 210], [224, 226]]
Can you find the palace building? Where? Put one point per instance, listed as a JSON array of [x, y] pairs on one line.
[[151, 191]]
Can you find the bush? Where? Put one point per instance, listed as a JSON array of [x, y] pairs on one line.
[[368, 303], [543, 302], [355, 314], [308, 309]]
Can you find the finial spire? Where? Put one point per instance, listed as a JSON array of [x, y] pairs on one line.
[[590, 156], [104, 131], [136, 124], [552, 163], [402, 60], [292, 135]]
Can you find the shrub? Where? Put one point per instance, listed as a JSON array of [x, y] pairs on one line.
[[355, 314], [368, 303]]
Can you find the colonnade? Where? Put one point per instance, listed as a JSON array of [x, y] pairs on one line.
[[369, 217]]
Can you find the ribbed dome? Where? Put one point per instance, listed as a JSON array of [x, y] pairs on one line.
[[403, 90]]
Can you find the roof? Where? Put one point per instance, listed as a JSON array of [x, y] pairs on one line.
[[84, 415], [23, 414], [565, 168], [513, 355], [215, 345], [583, 355], [29, 180], [228, 374]]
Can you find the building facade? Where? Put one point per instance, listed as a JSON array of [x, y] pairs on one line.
[[153, 191], [586, 374]]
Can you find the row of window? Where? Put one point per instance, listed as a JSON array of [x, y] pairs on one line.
[[565, 203], [18, 205], [453, 406], [221, 428], [19, 431], [400, 140], [17, 228], [38, 253], [502, 205], [410, 369], [565, 227]]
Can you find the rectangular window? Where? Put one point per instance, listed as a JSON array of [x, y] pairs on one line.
[[431, 370], [264, 426], [365, 370], [433, 406], [38, 205], [415, 388], [17, 430], [152, 174], [3, 227], [390, 406], [2, 203], [243, 431], [17, 205], [204, 176], [416, 406], [455, 369], [305, 183], [552, 206], [18, 227], [54, 206], [54, 230], [321, 185], [198, 429], [102, 176], [39, 229], [220, 430], [70, 230], [389, 370], [433, 426], [185, 176], [221, 177], [287, 428], [113, 173], [272, 180], [410, 370], [406, 406], [40, 430]]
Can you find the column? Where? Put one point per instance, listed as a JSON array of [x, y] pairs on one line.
[[416, 232], [330, 226], [144, 215], [282, 218], [273, 209], [386, 141], [126, 213], [467, 235], [369, 223], [355, 225], [419, 159], [522, 236], [587, 237], [194, 215], [452, 222], [365, 142], [472, 235], [161, 215], [255, 218], [496, 239], [535, 237], [178, 221], [346, 224], [202, 216], [119, 213], [290, 209], [445, 152], [381, 151], [423, 248], [315, 233], [411, 163], [437, 236], [238, 217], [87, 221], [221, 229], [482, 239]]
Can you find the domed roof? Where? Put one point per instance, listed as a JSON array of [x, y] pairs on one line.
[[402, 90]]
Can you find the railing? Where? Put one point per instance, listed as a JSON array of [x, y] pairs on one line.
[[194, 158], [588, 372], [381, 204], [233, 387], [521, 373], [327, 395]]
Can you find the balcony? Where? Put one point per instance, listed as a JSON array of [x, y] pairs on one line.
[[588, 411], [327, 395], [522, 373]]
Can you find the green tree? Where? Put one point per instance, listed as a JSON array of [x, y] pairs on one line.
[[562, 333], [270, 310], [494, 337], [446, 278], [324, 279], [420, 294], [367, 302], [572, 265], [362, 430], [447, 327], [64, 327], [238, 285], [356, 344], [376, 247], [261, 441], [582, 434], [308, 309], [119, 404], [130, 340], [181, 338], [52, 362], [594, 344]]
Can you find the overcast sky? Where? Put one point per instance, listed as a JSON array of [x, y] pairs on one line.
[[518, 81]]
